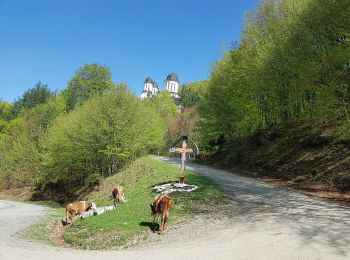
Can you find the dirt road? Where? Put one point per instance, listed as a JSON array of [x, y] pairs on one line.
[[277, 223]]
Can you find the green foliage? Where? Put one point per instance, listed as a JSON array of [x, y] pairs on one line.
[[100, 136], [88, 80], [21, 143], [46, 113], [59, 152], [166, 107], [228, 110], [344, 132], [19, 155], [192, 93], [5, 110], [39, 94], [342, 181], [288, 67], [5, 115], [186, 123]]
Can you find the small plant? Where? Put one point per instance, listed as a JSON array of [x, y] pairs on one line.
[[299, 179], [342, 181], [344, 132], [37, 194]]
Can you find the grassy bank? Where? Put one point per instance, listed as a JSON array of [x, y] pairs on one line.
[[131, 221], [314, 157]]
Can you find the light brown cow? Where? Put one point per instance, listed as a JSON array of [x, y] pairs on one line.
[[161, 206], [75, 208], [118, 195]]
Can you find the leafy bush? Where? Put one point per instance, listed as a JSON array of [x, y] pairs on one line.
[[299, 179], [342, 181]]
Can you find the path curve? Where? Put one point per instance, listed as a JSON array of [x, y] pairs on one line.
[[277, 223]]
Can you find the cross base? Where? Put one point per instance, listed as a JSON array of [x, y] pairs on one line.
[[182, 179]]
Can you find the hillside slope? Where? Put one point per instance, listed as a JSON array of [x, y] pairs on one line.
[[305, 156], [132, 221]]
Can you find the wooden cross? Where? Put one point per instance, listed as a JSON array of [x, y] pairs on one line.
[[183, 151]]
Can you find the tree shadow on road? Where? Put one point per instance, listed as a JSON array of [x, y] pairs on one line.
[[315, 220]]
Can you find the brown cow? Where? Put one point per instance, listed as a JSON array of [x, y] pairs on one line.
[[118, 195], [161, 206], [75, 208]]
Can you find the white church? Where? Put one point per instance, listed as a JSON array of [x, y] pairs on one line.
[[150, 87]]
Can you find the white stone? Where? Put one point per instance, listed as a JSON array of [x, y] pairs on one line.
[[174, 187], [96, 211]]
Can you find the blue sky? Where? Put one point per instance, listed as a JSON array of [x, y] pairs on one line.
[[48, 40]]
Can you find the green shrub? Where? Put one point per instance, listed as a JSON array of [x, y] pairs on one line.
[[37, 195], [299, 179], [342, 181]]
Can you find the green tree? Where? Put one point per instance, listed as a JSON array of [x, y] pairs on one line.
[[165, 105], [192, 93], [5, 115], [19, 155], [87, 81], [99, 137], [289, 67], [39, 94]]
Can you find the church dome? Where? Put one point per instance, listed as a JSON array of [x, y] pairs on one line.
[[172, 77], [148, 80], [155, 84]]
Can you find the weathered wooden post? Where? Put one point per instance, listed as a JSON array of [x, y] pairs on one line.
[[183, 151]]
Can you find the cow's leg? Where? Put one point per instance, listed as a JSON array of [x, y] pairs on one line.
[[162, 222], [166, 215], [156, 219], [68, 217]]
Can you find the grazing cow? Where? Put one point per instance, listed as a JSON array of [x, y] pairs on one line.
[[161, 206], [118, 195], [75, 208]]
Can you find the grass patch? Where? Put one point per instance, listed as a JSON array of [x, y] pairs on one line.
[[130, 221], [42, 231]]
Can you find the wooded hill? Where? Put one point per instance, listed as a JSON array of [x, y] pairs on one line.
[[284, 91], [57, 143]]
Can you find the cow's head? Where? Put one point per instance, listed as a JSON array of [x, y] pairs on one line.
[[93, 206]]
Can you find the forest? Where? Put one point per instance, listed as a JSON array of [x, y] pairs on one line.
[[292, 64], [289, 71], [282, 94]]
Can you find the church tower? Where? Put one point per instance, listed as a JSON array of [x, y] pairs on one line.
[[155, 89], [172, 85], [148, 88]]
